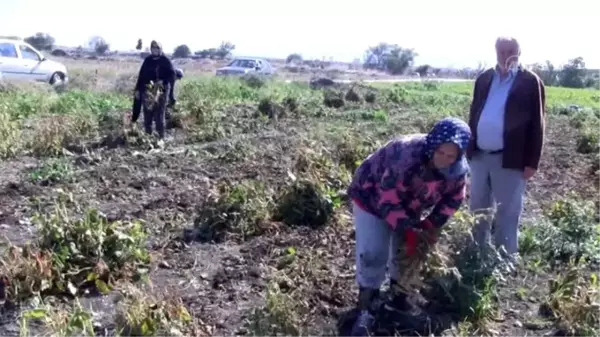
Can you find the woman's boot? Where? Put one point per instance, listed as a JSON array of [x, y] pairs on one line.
[[365, 319], [399, 301]]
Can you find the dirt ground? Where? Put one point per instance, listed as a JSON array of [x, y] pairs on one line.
[[224, 283]]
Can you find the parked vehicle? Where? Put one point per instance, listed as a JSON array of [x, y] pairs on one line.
[[21, 61], [242, 66]]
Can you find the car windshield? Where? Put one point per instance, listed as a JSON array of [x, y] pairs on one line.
[[243, 63]]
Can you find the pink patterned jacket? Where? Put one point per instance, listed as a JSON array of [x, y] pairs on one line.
[[395, 184]]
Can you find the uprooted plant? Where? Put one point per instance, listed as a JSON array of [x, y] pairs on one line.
[[313, 193], [132, 136], [300, 279], [351, 154], [314, 162], [574, 301], [59, 321], [244, 209], [141, 315], [52, 133], [238, 211], [306, 203], [152, 94], [136, 314], [278, 315], [462, 276], [73, 254]]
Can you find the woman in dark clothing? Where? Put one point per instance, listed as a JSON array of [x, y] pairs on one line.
[[157, 68], [137, 103]]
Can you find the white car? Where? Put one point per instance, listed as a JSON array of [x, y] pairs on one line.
[[243, 65], [20, 61]]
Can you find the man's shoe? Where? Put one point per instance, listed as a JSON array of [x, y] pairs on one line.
[[363, 325]]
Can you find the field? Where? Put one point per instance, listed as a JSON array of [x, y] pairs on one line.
[[238, 222], [115, 71]]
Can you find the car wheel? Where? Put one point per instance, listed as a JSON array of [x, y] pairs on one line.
[[56, 78]]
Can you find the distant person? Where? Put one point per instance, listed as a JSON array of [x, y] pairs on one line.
[[137, 103], [390, 191], [507, 120], [156, 68]]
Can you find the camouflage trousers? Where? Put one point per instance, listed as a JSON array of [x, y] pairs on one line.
[[379, 250]]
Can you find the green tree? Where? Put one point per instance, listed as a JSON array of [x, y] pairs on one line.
[[294, 58], [573, 74], [182, 51], [41, 41], [99, 45], [225, 49], [389, 57], [423, 69], [547, 72]]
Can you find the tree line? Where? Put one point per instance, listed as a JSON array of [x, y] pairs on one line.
[[386, 57]]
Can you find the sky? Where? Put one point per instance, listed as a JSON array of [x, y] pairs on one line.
[[457, 33]]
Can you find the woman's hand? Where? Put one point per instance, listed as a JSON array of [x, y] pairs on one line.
[[429, 231], [424, 233]]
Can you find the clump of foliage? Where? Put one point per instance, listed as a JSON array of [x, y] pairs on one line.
[[141, 315], [351, 153], [239, 211], [462, 276], [588, 141], [51, 134], [333, 99], [9, 136], [74, 253], [270, 108], [52, 171], [571, 230], [574, 301], [315, 164], [59, 321], [305, 203], [254, 81]]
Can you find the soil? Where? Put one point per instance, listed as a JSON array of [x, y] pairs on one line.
[[222, 283]]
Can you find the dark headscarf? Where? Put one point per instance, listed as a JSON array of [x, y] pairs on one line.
[[450, 130]]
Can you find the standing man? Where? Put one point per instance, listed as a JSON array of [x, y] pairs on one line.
[[507, 123]]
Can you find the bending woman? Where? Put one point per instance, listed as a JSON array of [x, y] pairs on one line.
[[391, 189]]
